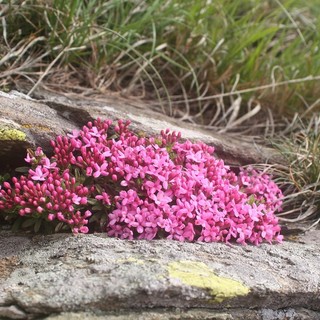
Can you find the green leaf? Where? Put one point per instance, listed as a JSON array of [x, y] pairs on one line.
[[22, 169], [77, 173], [97, 207], [99, 188], [58, 227], [37, 225], [251, 199], [17, 224], [29, 222], [4, 177], [92, 201], [94, 218]]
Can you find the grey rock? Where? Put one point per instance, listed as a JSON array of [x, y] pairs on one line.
[[26, 122], [95, 277], [12, 312], [195, 314], [91, 276]]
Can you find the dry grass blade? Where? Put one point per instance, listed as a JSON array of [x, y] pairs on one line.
[[50, 66], [300, 181], [254, 89], [19, 50]]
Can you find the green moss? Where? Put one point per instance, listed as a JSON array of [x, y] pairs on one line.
[[12, 134], [198, 274]]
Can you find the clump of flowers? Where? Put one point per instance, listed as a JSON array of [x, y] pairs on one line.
[[136, 187]]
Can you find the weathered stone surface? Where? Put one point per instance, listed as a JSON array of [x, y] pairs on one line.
[[30, 123], [26, 123], [12, 312], [93, 276], [194, 314]]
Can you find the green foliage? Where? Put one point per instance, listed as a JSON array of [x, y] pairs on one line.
[[300, 180], [214, 62], [171, 49], [4, 177]]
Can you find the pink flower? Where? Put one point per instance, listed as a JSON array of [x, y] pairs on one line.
[[75, 134], [161, 198], [104, 197], [39, 152], [147, 187], [100, 170], [51, 217], [188, 233], [79, 200], [196, 157], [48, 165], [29, 159], [39, 174]]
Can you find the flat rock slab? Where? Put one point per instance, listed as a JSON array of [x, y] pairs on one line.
[[28, 123], [63, 276]]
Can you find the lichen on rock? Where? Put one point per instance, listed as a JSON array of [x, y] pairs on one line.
[[12, 134], [198, 274]]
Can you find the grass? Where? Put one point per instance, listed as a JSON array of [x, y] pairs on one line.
[[301, 179], [190, 57], [246, 66]]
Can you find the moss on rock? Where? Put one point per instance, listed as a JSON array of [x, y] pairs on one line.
[[12, 134], [198, 274]]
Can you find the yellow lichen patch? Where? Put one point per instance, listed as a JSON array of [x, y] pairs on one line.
[[38, 126], [198, 274], [12, 134]]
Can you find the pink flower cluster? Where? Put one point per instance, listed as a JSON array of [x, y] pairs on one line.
[[47, 192], [144, 188]]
